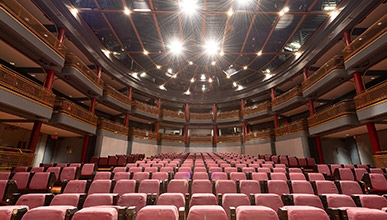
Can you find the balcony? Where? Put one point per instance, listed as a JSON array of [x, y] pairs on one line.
[[288, 100], [292, 128], [15, 157], [335, 118], [226, 139], [259, 136], [200, 118], [108, 128], [173, 116], [229, 116], [79, 75], [22, 30], [115, 99], [146, 110], [261, 110], [140, 134], [368, 48], [73, 117], [327, 77], [172, 138], [371, 104], [24, 97], [200, 140]]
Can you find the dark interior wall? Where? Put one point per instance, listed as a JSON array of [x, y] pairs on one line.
[[340, 150]]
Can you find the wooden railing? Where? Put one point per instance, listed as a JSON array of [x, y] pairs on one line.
[[175, 138], [291, 94], [297, 126], [371, 96], [173, 114], [228, 115], [337, 62], [200, 139], [75, 62], [371, 34], [14, 82], [113, 127], [110, 91], [266, 134], [200, 116], [142, 134], [13, 157], [229, 138], [264, 106], [73, 110], [28, 20], [335, 111], [140, 106]]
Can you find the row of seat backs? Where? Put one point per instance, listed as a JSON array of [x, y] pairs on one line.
[[116, 160], [86, 170], [31, 181], [329, 169]]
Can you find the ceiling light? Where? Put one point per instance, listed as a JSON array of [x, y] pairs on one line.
[[328, 5], [192, 80], [334, 14], [203, 88], [240, 88], [188, 6], [127, 11], [158, 67], [203, 77], [74, 11], [211, 47], [146, 52], [142, 10], [286, 9], [135, 75], [230, 12], [228, 76], [176, 47], [162, 87], [209, 80], [234, 84], [221, 53], [190, 62], [187, 92], [169, 70], [106, 52], [297, 54], [243, 2], [12, 63], [213, 63], [245, 67], [143, 74], [259, 53], [174, 76], [281, 13]]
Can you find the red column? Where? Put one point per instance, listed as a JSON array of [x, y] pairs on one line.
[[215, 140], [372, 133], [186, 112], [275, 116], [214, 113], [157, 127], [244, 131], [214, 128], [126, 120], [242, 114], [186, 134]]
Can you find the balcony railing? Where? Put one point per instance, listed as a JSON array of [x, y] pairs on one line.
[[228, 115], [200, 139], [335, 111], [28, 20], [371, 96], [73, 110], [75, 62], [13, 157], [140, 106], [229, 138], [172, 138], [337, 62], [23, 86], [110, 91], [116, 128], [297, 126], [264, 106], [260, 135], [293, 93], [200, 116], [142, 134], [371, 34], [173, 114]]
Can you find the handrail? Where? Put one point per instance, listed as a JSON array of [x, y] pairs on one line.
[[294, 127], [113, 127], [110, 91], [337, 62], [372, 33], [12, 157], [260, 135], [137, 105], [371, 96], [28, 20], [292, 93], [20, 84], [334, 111], [172, 114], [264, 106], [75, 62], [75, 111]]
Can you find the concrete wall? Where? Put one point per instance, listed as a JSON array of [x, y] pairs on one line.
[[68, 150], [106, 146], [340, 150], [232, 148], [148, 149], [365, 148], [298, 147], [255, 149]]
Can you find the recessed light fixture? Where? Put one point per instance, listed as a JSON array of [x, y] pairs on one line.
[[158, 67], [230, 12], [192, 80], [189, 6], [213, 63], [209, 80], [211, 47], [74, 11], [127, 11], [143, 74], [190, 62], [203, 77], [221, 53], [162, 87], [259, 53], [176, 46], [245, 67], [146, 52], [187, 92]]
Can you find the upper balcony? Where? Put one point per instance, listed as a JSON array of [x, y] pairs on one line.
[[80, 76], [292, 128], [70, 116], [143, 109], [232, 138], [229, 116], [200, 118], [173, 116], [200, 140], [259, 136], [172, 138], [288, 100], [371, 104], [337, 117], [258, 111], [140, 134], [108, 128], [22, 30], [22, 96], [368, 48], [327, 77], [115, 99]]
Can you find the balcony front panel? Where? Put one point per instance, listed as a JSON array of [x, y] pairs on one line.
[[80, 76], [368, 48], [200, 140], [115, 99], [330, 75], [22, 96], [144, 135], [371, 104], [146, 110], [200, 118], [288, 100], [173, 116], [229, 116], [227, 139], [70, 116], [294, 128], [261, 110], [22, 30], [173, 139], [335, 118], [260, 136], [112, 129]]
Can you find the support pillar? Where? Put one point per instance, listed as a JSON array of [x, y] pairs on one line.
[[275, 116], [244, 132], [214, 128], [186, 142]]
